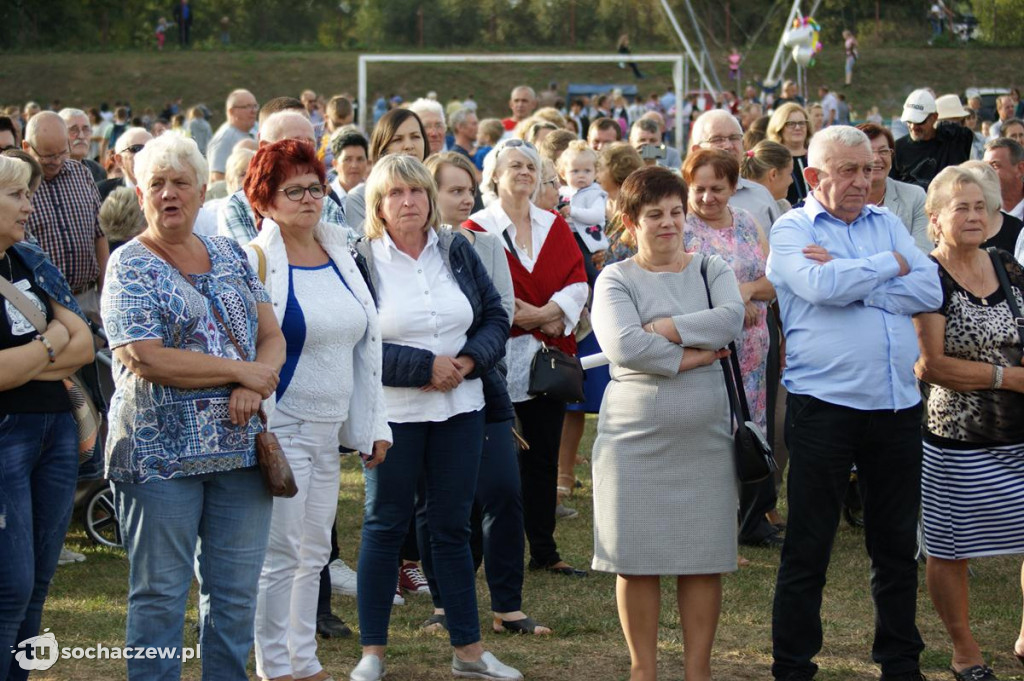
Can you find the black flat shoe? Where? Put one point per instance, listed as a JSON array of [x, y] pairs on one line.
[[978, 672], [566, 571], [331, 626], [772, 541]]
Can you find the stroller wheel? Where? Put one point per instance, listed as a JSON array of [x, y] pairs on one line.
[[100, 519]]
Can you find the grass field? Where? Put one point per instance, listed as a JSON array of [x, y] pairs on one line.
[[87, 606], [884, 76]]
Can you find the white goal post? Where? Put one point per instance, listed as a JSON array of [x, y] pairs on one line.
[[675, 59]]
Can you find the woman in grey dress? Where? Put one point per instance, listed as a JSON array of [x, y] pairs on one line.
[[664, 479]]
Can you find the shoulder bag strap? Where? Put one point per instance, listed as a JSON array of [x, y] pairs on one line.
[[35, 316], [261, 262], [733, 377], [511, 246], [1004, 282]]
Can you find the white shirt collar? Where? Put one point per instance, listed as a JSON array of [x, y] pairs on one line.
[[388, 247]]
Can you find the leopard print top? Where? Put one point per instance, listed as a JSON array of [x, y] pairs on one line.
[[981, 330]]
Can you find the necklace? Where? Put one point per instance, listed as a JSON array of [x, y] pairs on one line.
[[960, 277]]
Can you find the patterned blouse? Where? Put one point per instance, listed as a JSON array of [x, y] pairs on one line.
[[980, 330], [157, 432]]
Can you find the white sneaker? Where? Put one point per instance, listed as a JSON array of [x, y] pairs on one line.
[[343, 578], [370, 668], [68, 556], [487, 667], [399, 598]]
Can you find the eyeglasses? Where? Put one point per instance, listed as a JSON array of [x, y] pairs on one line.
[[50, 158], [795, 124], [316, 191], [133, 149], [729, 139], [884, 152], [553, 182], [251, 107]]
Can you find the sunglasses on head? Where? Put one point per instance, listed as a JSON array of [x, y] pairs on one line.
[[135, 148]]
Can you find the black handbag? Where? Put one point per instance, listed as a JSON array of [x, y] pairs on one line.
[[557, 375], [754, 458], [1004, 283]]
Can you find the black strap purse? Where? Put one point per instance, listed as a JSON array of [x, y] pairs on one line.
[[754, 458]]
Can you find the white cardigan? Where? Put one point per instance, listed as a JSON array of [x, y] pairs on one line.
[[367, 417]]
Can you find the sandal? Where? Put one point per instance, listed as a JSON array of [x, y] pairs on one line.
[[432, 623], [527, 625]]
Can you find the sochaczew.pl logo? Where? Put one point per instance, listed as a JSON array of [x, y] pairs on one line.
[[39, 653]]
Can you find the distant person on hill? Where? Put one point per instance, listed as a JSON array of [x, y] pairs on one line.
[[852, 55], [183, 18], [161, 32], [522, 102], [623, 48], [199, 128]]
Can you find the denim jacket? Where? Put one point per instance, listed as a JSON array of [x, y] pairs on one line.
[[408, 366], [47, 276]]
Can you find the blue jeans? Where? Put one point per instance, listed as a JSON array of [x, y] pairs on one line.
[[216, 524], [448, 455], [38, 468], [497, 521]]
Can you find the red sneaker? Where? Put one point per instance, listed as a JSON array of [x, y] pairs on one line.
[[411, 579]]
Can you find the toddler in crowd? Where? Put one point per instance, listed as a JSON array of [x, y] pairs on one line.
[[488, 134], [583, 201], [161, 30]]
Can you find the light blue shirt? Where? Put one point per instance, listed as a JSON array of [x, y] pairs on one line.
[[849, 337]]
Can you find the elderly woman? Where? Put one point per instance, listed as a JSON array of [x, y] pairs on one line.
[[440, 349], [550, 290], [39, 465], [715, 227], [665, 435], [196, 349], [497, 537], [790, 127], [971, 355], [399, 131], [329, 392], [903, 199]]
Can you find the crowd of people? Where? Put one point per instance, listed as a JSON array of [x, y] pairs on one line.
[[399, 294]]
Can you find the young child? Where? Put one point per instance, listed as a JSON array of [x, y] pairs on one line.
[[583, 201], [161, 29], [488, 134]]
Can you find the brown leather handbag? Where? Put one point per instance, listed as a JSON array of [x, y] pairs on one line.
[[277, 473]]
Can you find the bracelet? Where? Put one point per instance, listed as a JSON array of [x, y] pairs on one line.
[[49, 348], [650, 327], [997, 377]]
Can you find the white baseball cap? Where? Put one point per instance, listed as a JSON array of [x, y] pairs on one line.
[[919, 106], [949, 106]]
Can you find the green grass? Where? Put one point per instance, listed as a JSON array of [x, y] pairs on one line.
[[884, 75], [87, 606]]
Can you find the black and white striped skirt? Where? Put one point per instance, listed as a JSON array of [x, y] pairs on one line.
[[973, 501]]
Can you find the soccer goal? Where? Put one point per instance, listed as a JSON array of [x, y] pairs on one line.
[[677, 60]]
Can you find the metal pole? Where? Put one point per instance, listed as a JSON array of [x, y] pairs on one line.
[[677, 78], [703, 45], [705, 83], [363, 104]]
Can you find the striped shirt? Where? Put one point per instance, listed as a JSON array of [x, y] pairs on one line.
[[65, 223]]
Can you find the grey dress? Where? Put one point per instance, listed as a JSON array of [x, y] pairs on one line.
[[665, 491]]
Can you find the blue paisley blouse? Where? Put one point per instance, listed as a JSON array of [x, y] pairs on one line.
[[157, 432]]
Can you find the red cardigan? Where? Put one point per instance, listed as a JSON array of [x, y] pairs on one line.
[[559, 264]]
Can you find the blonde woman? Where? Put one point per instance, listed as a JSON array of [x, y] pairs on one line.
[[791, 127]]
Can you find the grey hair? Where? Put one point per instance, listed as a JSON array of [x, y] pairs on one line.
[[697, 135], [170, 152], [834, 135], [1015, 150], [14, 172], [424, 105], [460, 116], [988, 180], [68, 112], [951, 178], [236, 168], [40, 120], [488, 184], [271, 127], [121, 217]]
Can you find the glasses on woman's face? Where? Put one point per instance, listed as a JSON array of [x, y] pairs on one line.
[[796, 124], [884, 152], [295, 193]]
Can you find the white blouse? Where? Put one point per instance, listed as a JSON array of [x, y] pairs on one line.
[[421, 305]]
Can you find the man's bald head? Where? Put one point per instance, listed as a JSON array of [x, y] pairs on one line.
[[241, 109], [287, 125], [46, 139], [127, 147]]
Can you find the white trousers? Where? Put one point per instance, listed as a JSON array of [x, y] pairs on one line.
[[299, 546]]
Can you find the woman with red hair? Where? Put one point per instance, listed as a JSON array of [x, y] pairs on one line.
[[330, 390]]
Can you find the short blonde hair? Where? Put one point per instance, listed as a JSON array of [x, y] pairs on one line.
[[388, 172], [952, 179], [170, 152], [575, 149], [14, 173]]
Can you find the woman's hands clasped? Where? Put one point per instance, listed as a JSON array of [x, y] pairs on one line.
[[449, 372]]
